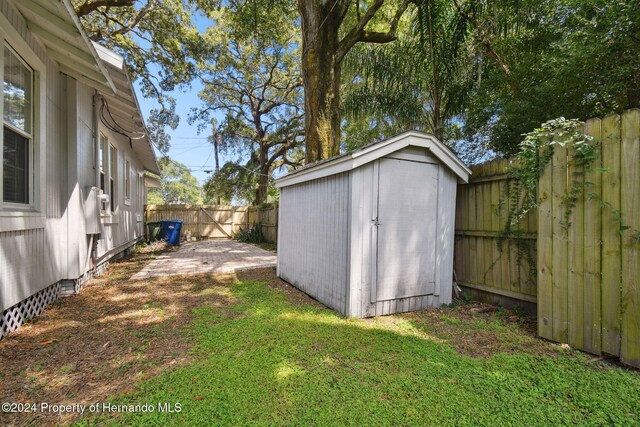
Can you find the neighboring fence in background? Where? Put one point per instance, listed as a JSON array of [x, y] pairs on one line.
[[217, 221], [481, 212]]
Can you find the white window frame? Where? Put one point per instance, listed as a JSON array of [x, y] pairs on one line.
[[103, 162], [128, 172], [19, 216], [29, 205], [113, 178]]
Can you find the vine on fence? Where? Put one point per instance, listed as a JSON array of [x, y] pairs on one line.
[[534, 155]]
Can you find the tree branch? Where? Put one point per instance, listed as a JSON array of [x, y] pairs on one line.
[[89, 6], [358, 33], [136, 20]]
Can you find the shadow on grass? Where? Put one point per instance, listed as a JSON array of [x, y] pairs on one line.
[[253, 350], [99, 343], [265, 360]]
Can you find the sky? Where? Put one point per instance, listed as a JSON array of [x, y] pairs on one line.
[[187, 146]]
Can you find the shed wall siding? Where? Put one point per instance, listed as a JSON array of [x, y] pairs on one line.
[[361, 249], [446, 236], [314, 238]]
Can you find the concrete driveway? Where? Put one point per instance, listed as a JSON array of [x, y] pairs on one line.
[[209, 256]]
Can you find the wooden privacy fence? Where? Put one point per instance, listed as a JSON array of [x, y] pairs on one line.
[[481, 212], [589, 270], [217, 221], [587, 287]]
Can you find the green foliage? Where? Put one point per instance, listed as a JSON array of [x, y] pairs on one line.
[[233, 183], [495, 69], [178, 185], [465, 298], [527, 166], [418, 82], [533, 157], [252, 234], [159, 42], [252, 75], [525, 171], [263, 356], [540, 59]]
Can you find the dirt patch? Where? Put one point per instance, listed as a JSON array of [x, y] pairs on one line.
[[116, 332], [482, 330]]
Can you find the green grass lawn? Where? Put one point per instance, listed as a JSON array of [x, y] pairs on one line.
[[271, 357]]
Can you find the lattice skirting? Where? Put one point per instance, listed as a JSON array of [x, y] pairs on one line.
[[13, 317], [99, 269]]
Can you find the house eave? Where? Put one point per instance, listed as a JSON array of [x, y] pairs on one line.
[[125, 108], [58, 28]]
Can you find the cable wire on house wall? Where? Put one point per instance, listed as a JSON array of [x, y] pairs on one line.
[[114, 126]]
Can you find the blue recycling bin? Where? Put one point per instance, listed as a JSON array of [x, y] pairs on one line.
[[171, 231]]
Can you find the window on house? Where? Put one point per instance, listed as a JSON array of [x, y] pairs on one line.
[[113, 173], [140, 188], [17, 147], [127, 181], [102, 156]]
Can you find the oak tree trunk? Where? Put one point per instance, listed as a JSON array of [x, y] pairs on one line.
[[321, 79], [322, 53], [263, 177]]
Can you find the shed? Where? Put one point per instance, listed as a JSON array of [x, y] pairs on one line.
[[371, 232]]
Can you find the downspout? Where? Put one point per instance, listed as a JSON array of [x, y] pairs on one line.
[[96, 137], [97, 99]]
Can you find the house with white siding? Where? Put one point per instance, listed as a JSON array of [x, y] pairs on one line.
[[74, 155]]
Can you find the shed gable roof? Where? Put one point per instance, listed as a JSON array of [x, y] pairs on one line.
[[355, 159]]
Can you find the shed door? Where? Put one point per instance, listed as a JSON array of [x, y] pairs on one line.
[[406, 230]]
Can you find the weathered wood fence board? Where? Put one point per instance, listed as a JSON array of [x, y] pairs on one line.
[[559, 264], [611, 247], [588, 272], [588, 296], [575, 279], [630, 200], [481, 213], [592, 258], [545, 253], [217, 221]]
